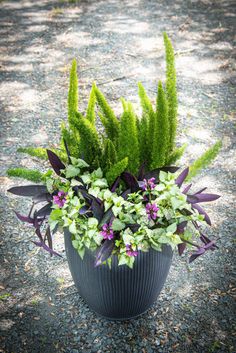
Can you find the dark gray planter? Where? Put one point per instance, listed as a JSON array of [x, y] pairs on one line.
[[120, 292]]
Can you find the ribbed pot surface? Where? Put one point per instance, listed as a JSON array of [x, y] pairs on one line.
[[120, 292]]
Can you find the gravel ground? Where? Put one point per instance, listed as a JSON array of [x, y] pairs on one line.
[[116, 44]]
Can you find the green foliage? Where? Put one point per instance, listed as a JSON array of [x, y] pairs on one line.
[[171, 90], [90, 146], [109, 119], [160, 146], [128, 145], [204, 160], [116, 170], [150, 116], [142, 126], [73, 93], [24, 173], [38, 152], [72, 139], [90, 114], [176, 155], [109, 155]]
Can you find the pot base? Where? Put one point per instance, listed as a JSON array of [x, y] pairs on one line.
[[119, 293]]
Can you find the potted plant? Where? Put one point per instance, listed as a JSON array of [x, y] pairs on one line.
[[118, 198]]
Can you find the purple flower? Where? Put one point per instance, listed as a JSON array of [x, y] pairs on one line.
[[152, 210], [148, 184], [60, 198], [107, 232], [130, 251]]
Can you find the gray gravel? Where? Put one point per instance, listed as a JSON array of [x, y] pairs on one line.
[[116, 44]]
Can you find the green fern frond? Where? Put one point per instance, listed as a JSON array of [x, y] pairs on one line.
[[72, 139], [149, 113], [143, 134], [171, 90], [73, 93], [204, 160], [38, 152], [89, 140], [160, 146], [116, 170], [24, 173], [109, 155], [176, 154], [90, 113], [128, 144], [110, 121]]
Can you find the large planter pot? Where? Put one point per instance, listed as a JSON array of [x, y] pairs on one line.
[[120, 292]]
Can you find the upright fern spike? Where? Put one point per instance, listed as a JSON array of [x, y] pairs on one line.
[[204, 160], [109, 155], [89, 140], [150, 115], [90, 114], [109, 121], [73, 93], [171, 90], [116, 170], [128, 144], [143, 135], [160, 146]]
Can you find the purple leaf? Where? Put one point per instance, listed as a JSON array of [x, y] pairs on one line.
[[133, 227], [44, 211], [45, 247], [206, 197], [130, 181], [181, 248], [141, 171], [43, 197], [24, 218], [200, 191], [28, 190], [97, 209], [186, 189], [192, 199], [155, 173], [202, 212], [84, 209], [49, 237], [207, 241], [115, 184], [104, 252], [180, 179], [125, 193], [196, 254], [107, 217], [180, 227], [55, 162]]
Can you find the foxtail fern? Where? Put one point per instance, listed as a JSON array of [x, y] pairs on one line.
[[25, 173], [171, 90], [109, 121], [90, 113], [160, 146], [116, 170], [204, 160], [128, 145], [89, 140], [73, 93], [109, 157], [176, 154]]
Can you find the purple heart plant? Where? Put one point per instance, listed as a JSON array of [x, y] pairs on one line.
[[118, 190]]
